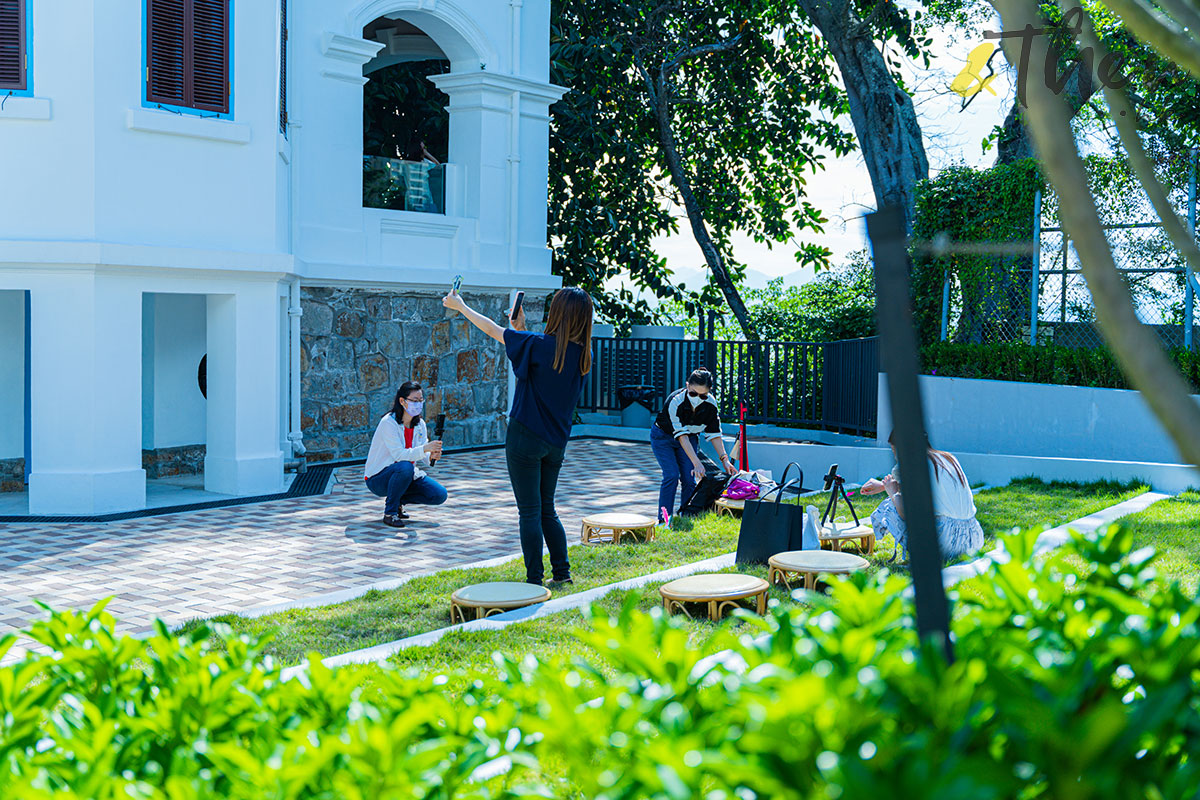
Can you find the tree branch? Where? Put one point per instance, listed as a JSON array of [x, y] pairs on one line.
[[1164, 34], [1124, 117], [696, 52], [1136, 348]]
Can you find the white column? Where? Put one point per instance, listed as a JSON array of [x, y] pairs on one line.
[[243, 455], [86, 397], [497, 124]]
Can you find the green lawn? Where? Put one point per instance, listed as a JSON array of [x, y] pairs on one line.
[[1172, 528], [423, 603]]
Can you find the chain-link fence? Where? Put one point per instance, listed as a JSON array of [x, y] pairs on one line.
[[1001, 306]]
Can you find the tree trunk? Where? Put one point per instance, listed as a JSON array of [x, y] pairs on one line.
[[885, 121], [1136, 348], [1012, 280], [662, 111]]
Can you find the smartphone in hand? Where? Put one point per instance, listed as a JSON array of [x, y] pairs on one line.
[[516, 309]]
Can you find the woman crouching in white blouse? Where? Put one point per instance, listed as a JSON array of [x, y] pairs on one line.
[[958, 531], [398, 450]]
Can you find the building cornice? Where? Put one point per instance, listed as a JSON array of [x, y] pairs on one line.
[[460, 82]]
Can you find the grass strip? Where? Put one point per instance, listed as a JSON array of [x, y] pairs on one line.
[[422, 604]]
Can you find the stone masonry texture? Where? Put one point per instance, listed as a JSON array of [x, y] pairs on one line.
[[359, 345], [170, 461], [12, 474]]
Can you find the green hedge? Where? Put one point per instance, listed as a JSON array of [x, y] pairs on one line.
[[1040, 364], [1069, 682]]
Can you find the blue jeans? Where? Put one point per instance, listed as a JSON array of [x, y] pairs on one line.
[[533, 468], [397, 485], [676, 469]]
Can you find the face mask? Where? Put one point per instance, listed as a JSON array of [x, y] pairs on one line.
[[695, 400], [414, 407]]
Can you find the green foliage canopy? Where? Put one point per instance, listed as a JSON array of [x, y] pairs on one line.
[[750, 124]]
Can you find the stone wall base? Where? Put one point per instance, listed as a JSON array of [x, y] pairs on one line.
[[359, 345], [167, 462], [12, 474]]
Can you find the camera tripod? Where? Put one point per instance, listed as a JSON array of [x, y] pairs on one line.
[[835, 484]]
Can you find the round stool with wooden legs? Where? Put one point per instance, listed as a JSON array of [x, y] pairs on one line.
[[615, 526], [485, 599], [730, 508], [833, 535], [808, 564], [719, 592]]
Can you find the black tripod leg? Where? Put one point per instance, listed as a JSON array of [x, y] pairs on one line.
[[831, 509], [846, 497]]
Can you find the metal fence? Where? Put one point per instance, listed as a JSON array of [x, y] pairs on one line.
[[1045, 299], [829, 385]]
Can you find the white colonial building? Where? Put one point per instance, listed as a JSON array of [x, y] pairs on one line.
[[181, 179]]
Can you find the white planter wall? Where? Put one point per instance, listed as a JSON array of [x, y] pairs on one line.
[[1033, 419]]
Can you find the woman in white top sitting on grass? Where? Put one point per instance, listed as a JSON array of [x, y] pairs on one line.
[[400, 444], [953, 506]]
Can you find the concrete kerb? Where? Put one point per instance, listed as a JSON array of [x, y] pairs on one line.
[[574, 601], [556, 605], [1053, 538]]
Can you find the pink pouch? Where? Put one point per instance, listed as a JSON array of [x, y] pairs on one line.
[[739, 489]]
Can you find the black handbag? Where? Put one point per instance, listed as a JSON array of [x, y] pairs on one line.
[[770, 527], [705, 495]]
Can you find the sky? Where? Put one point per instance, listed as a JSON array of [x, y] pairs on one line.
[[843, 189]]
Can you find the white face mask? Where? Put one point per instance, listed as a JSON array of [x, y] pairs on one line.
[[415, 407], [695, 401]]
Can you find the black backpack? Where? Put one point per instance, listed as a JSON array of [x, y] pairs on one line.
[[710, 487]]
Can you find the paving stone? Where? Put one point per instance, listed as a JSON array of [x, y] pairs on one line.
[[204, 563]]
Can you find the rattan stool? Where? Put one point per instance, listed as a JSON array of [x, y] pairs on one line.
[[835, 533], [613, 527], [485, 599], [809, 564], [731, 508], [720, 591]]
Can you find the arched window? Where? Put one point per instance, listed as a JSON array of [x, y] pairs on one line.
[[406, 128]]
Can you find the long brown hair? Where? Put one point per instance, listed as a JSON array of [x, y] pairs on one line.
[[570, 320], [939, 458]]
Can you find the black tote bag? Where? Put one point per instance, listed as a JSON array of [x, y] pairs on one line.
[[770, 527]]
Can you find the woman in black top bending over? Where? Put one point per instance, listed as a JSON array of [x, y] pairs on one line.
[[675, 439]]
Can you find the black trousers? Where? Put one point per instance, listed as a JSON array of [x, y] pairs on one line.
[[533, 468]]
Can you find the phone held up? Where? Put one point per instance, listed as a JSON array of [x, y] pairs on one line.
[[516, 309], [438, 430]]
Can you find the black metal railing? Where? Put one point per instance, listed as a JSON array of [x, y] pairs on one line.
[[813, 384]]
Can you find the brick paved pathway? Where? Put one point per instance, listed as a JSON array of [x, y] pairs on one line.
[[181, 566]]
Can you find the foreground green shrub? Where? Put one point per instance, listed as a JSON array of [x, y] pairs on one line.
[[1068, 683], [1065, 686], [108, 717], [1041, 364]]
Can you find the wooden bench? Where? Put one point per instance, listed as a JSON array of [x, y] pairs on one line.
[[718, 591], [613, 527], [485, 599], [794, 564]]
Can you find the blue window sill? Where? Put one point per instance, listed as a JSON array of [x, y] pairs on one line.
[[164, 122]]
